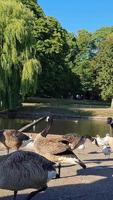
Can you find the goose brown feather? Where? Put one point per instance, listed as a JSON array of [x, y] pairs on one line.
[[12, 138]]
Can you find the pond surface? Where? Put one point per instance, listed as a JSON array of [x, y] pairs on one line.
[[81, 126]]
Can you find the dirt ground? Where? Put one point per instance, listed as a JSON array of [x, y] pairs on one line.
[[93, 183]]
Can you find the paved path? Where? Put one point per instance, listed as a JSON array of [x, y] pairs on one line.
[[93, 183]]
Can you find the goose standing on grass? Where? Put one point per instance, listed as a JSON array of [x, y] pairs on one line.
[[23, 169], [58, 151], [12, 138]]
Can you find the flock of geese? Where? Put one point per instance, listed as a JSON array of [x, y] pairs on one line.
[[34, 166]]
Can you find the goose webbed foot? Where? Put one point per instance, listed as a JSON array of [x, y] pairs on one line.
[[57, 176], [32, 194], [15, 194]]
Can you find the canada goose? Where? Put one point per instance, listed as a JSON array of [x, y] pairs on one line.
[[58, 148], [23, 169], [12, 138], [74, 140], [58, 151], [110, 122]]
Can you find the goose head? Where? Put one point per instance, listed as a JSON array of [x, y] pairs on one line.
[[109, 120], [92, 139], [49, 120]]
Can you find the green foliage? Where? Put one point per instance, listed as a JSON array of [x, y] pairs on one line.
[[50, 37], [52, 47], [16, 43], [104, 68], [39, 57], [82, 65], [34, 7], [83, 40], [101, 34], [72, 50], [29, 76]]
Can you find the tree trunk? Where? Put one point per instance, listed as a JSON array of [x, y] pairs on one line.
[[112, 103]]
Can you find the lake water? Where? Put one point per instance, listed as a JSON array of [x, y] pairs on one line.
[[82, 126]]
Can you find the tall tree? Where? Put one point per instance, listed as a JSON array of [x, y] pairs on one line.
[[82, 66], [18, 66], [100, 35], [52, 48], [34, 7], [103, 64]]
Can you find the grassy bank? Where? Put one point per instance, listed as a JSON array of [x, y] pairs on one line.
[[69, 108]]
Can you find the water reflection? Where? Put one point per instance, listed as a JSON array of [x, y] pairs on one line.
[[82, 127], [13, 123]]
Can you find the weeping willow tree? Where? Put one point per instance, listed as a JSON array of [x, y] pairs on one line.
[[18, 66]]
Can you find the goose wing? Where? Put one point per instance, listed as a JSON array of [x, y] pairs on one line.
[[68, 139], [21, 136], [74, 140], [53, 147]]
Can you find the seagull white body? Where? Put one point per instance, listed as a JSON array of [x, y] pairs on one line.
[[106, 143], [103, 141], [106, 150]]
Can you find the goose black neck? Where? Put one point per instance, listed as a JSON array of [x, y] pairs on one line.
[[46, 130]]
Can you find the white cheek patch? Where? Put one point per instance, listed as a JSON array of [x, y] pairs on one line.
[[82, 146], [51, 174], [28, 145]]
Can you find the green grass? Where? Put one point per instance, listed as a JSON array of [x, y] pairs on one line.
[[66, 102], [66, 107]]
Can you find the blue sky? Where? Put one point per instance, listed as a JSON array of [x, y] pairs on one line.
[[74, 15]]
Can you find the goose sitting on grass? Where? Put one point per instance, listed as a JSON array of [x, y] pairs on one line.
[[23, 169]]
